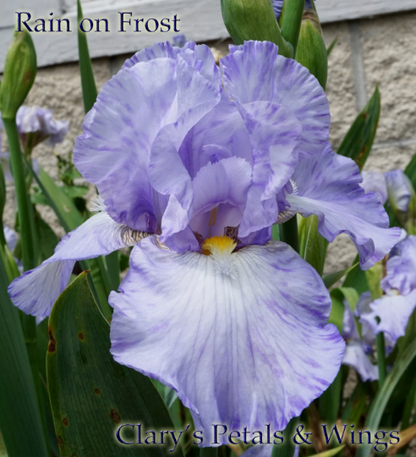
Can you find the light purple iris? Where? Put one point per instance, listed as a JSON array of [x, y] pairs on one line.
[[198, 164], [399, 285], [36, 124], [359, 348], [393, 185]]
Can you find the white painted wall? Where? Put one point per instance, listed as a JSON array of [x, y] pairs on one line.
[[200, 20]]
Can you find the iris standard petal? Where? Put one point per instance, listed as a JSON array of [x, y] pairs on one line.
[[114, 150], [282, 81], [356, 358], [394, 312], [243, 339], [36, 290], [155, 51], [401, 267], [328, 185], [274, 137]]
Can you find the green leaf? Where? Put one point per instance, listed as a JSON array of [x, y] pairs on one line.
[[331, 279], [89, 90], [91, 394], [19, 410], [312, 246], [47, 238], [410, 171], [356, 278], [360, 137], [330, 453], [331, 46], [356, 404], [337, 311], [385, 392]]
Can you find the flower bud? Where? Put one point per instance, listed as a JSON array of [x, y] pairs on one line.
[[247, 20], [311, 51], [19, 74]]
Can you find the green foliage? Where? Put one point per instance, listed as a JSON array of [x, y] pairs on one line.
[[91, 394], [89, 90], [379, 404], [312, 246], [20, 419], [360, 137], [248, 20]]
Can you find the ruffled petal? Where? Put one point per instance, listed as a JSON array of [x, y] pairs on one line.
[[356, 358], [281, 81], [36, 291], [196, 97], [375, 181], [328, 185], [401, 267], [394, 312], [155, 51], [243, 339], [274, 137]]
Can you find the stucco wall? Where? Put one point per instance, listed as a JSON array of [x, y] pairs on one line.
[[368, 52]]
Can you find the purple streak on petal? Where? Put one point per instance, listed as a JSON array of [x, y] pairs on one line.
[[195, 326], [281, 81], [277, 8], [273, 134], [156, 51], [328, 185]]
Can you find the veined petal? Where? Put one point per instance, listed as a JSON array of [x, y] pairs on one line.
[[328, 185], [401, 267], [394, 312], [274, 136], [356, 358], [196, 96], [155, 51], [36, 291], [281, 81], [242, 349]]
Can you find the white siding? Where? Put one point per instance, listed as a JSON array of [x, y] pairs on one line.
[[200, 20]]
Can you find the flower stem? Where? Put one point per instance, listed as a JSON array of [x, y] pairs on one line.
[[288, 232], [25, 211], [381, 358]]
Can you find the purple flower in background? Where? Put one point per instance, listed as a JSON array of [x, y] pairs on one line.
[[359, 349], [278, 6], [400, 190], [36, 125], [375, 181], [399, 285], [194, 167], [179, 40]]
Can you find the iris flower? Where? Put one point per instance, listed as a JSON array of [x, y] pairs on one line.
[[194, 165], [395, 307], [359, 348], [36, 124]]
